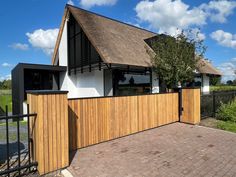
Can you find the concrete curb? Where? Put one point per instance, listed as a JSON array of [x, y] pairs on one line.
[[66, 173]]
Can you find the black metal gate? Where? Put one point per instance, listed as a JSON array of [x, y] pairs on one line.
[[212, 101], [15, 161]]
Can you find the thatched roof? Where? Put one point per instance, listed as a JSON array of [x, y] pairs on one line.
[[205, 67], [115, 41]]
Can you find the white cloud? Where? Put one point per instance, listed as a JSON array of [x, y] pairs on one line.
[[6, 64], [7, 77], [70, 2], [219, 10], [228, 69], [167, 16], [43, 39], [198, 34], [224, 38], [195, 33], [19, 46], [233, 59], [90, 3]]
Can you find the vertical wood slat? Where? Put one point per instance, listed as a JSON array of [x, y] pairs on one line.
[[102, 119], [49, 130], [191, 106]]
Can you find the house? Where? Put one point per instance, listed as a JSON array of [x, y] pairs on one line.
[[110, 58], [97, 56]]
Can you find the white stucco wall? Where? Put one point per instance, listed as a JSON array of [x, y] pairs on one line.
[[205, 83], [155, 83], [25, 110], [62, 52], [88, 84]]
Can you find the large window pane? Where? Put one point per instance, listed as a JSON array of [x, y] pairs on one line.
[[131, 83]]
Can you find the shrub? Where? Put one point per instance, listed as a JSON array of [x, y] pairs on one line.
[[227, 112]]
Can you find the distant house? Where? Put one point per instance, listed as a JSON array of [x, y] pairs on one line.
[[97, 56]]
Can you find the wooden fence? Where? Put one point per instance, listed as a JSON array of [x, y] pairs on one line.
[[49, 130], [62, 125], [94, 120]]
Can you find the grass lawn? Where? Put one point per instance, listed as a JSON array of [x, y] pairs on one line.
[[222, 88], [6, 100], [219, 124], [227, 125], [13, 130], [13, 137], [5, 92], [14, 124]]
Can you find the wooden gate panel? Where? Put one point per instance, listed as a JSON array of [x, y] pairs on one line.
[[95, 120], [191, 106]]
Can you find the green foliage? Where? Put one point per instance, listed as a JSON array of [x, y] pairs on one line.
[[222, 88], [227, 112], [215, 81], [6, 100], [174, 59], [227, 125], [229, 82], [5, 84]]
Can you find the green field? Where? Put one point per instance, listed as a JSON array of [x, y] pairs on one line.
[[222, 88], [5, 92], [6, 99]]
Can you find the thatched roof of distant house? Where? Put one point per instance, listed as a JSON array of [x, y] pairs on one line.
[[116, 42], [205, 67]]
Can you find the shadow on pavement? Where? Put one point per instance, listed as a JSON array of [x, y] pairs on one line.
[[13, 151]]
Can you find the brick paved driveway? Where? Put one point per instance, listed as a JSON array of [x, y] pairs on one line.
[[173, 150]]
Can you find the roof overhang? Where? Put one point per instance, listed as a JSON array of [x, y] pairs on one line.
[[41, 67]]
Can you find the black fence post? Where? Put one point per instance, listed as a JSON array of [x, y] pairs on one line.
[[214, 103], [29, 138], [18, 145], [180, 103], [7, 139]]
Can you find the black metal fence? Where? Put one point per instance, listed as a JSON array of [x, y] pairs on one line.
[[14, 161], [211, 102]]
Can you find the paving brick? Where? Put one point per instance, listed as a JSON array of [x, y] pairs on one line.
[[174, 150]]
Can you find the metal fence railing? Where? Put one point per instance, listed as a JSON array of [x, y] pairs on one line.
[[15, 158], [211, 102]]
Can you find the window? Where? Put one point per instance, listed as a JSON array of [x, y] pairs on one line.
[[81, 53], [131, 83]]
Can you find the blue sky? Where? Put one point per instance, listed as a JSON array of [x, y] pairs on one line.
[[29, 27]]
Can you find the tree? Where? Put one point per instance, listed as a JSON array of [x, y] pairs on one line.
[[229, 82], [174, 60], [234, 82], [5, 84], [215, 80]]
